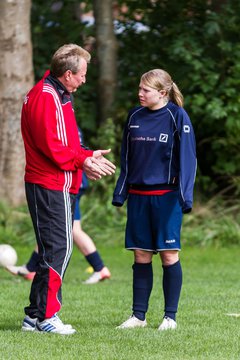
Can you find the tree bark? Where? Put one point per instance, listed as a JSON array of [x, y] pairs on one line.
[[106, 57], [16, 78]]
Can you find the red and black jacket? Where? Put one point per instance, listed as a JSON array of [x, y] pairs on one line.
[[54, 156]]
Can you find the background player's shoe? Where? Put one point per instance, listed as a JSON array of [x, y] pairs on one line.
[[29, 324], [54, 325], [21, 271], [98, 276], [132, 322], [167, 324]]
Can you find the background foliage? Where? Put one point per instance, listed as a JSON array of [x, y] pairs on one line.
[[196, 41], [215, 223]]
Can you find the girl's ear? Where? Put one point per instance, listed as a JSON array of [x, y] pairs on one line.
[[162, 93]]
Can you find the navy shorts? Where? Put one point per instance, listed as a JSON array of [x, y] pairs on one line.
[[77, 210], [153, 222]]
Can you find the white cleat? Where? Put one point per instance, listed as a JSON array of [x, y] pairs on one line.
[[167, 324], [132, 322], [98, 276], [21, 271]]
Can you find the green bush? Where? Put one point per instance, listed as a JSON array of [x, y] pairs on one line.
[[15, 225], [214, 222]]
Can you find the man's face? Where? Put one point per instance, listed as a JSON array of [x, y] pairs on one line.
[[73, 81]]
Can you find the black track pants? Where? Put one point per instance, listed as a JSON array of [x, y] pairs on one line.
[[52, 216]]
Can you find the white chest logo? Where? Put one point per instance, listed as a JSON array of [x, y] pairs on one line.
[[163, 138], [26, 99]]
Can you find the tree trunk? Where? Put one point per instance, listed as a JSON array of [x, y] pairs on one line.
[[16, 78], [106, 57]]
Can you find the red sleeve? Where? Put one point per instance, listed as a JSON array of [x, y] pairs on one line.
[[55, 134]]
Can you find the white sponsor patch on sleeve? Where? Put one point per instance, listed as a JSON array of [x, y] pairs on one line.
[[186, 128]]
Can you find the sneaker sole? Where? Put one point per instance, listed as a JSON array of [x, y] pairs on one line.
[[73, 331], [66, 330], [24, 328], [132, 327], [96, 282], [167, 329], [105, 278]]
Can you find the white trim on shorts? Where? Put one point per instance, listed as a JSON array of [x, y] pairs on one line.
[[150, 250]]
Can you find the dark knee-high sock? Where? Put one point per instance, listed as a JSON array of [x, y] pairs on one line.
[[32, 263], [94, 259], [142, 287], [172, 283]]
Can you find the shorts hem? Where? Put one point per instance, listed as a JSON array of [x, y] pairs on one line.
[[152, 250], [174, 249], [137, 248]]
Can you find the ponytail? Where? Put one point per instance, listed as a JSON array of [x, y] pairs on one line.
[[175, 95]]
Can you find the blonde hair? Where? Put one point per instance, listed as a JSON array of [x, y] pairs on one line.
[[160, 80], [68, 57]]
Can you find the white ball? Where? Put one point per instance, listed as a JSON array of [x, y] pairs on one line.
[[8, 255]]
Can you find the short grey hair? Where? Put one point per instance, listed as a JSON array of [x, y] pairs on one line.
[[68, 57]]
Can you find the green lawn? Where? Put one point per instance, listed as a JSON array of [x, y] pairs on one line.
[[210, 290]]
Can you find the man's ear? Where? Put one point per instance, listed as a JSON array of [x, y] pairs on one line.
[[67, 75]]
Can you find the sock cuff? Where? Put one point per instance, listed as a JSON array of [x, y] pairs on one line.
[[95, 260], [140, 269], [142, 264], [89, 256]]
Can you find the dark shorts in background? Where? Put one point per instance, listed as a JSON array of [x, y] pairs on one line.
[[77, 210], [153, 222]]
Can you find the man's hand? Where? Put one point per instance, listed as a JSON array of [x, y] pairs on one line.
[[107, 166], [97, 166]]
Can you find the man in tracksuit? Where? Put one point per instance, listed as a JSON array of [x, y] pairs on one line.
[[53, 173], [158, 167]]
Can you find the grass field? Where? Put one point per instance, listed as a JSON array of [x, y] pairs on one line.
[[210, 291]]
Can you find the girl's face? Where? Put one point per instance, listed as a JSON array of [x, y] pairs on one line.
[[151, 98]]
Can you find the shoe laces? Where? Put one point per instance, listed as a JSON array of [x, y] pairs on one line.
[[56, 319]]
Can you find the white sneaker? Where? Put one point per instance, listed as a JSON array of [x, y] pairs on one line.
[[21, 271], [132, 322], [54, 325], [98, 276], [167, 324], [29, 324]]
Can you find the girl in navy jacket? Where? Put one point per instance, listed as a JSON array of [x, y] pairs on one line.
[[158, 167]]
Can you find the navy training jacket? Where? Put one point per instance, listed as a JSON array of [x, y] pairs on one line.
[[158, 149]]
